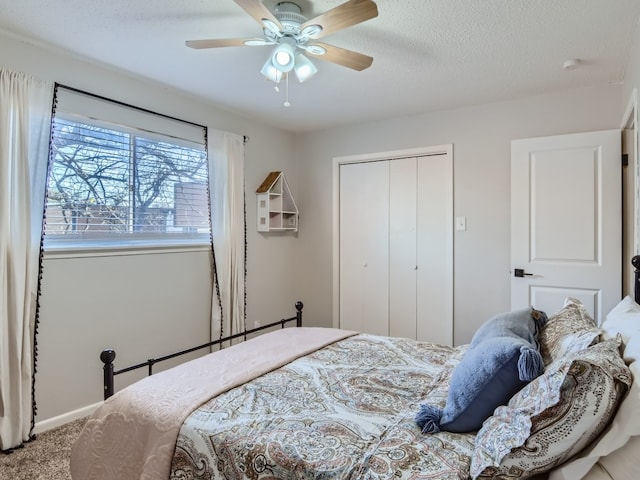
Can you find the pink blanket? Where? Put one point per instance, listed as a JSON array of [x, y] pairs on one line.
[[133, 434]]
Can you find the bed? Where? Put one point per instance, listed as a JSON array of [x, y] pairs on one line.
[[302, 403]]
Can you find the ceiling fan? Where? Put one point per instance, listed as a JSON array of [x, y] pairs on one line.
[[295, 37]]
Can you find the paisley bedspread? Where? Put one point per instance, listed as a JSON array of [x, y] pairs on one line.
[[132, 436], [343, 412]]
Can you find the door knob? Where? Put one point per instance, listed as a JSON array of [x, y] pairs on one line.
[[519, 272]]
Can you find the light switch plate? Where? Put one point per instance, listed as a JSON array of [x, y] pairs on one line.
[[461, 223]]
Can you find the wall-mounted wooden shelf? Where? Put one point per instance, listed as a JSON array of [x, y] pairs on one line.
[[277, 210]]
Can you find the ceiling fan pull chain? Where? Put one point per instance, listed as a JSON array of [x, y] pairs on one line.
[[286, 100]]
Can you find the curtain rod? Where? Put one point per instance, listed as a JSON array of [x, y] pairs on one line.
[[124, 104]]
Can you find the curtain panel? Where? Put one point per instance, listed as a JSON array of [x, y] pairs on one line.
[[228, 230], [25, 121]]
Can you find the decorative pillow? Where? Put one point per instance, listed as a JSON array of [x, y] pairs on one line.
[[555, 416], [623, 319], [523, 323], [624, 427], [569, 330], [497, 364]]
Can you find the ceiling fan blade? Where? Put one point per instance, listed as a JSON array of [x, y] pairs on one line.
[[342, 56], [260, 12], [342, 16], [226, 42]]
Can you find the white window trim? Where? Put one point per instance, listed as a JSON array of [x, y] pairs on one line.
[[82, 107]]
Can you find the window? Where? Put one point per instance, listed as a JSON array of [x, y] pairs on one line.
[[121, 180]]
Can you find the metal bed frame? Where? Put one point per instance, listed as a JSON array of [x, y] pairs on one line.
[[108, 355]]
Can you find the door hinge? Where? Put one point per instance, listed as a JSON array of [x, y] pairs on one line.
[[625, 159]]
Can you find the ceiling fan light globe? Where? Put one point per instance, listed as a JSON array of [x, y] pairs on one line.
[[283, 57], [304, 68], [270, 72]]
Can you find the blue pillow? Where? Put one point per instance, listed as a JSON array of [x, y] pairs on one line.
[[502, 358], [523, 323]]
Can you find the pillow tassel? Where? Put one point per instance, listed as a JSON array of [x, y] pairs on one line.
[[428, 418], [539, 317], [530, 364]]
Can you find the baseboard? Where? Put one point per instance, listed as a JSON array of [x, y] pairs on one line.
[[54, 422]]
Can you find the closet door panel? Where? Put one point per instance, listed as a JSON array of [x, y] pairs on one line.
[[435, 249], [402, 247], [364, 247]]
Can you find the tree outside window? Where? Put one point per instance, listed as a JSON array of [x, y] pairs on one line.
[[108, 184]]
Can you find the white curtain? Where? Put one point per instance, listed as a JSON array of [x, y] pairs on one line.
[[226, 183], [25, 118]]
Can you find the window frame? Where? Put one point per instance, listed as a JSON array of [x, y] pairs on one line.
[[105, 243]]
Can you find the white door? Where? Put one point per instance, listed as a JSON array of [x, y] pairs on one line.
[[403, 268], [396, 247], [566, 224], [364, 247], [435, 249], [421, 248]]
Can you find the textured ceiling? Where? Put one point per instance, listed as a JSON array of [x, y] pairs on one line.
[[428, 54]]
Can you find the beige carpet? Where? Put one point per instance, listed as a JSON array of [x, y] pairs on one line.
[[46, 458]]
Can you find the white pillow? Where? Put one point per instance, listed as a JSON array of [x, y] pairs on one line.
[[623, 319]]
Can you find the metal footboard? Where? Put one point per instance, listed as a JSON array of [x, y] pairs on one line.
[[108, 355]]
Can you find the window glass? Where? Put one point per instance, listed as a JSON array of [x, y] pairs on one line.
[[115, 186]]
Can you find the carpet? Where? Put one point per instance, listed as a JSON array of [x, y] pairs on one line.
[[45, 458]]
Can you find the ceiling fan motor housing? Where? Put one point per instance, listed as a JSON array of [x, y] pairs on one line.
[[290, 16]]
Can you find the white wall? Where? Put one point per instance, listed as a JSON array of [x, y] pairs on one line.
[[632, 70], [481, 137], [158, 302]]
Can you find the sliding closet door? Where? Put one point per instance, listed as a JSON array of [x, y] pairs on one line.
[[434, 253], [396, 247], [421, 248], [403, 268], [364, 247]]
